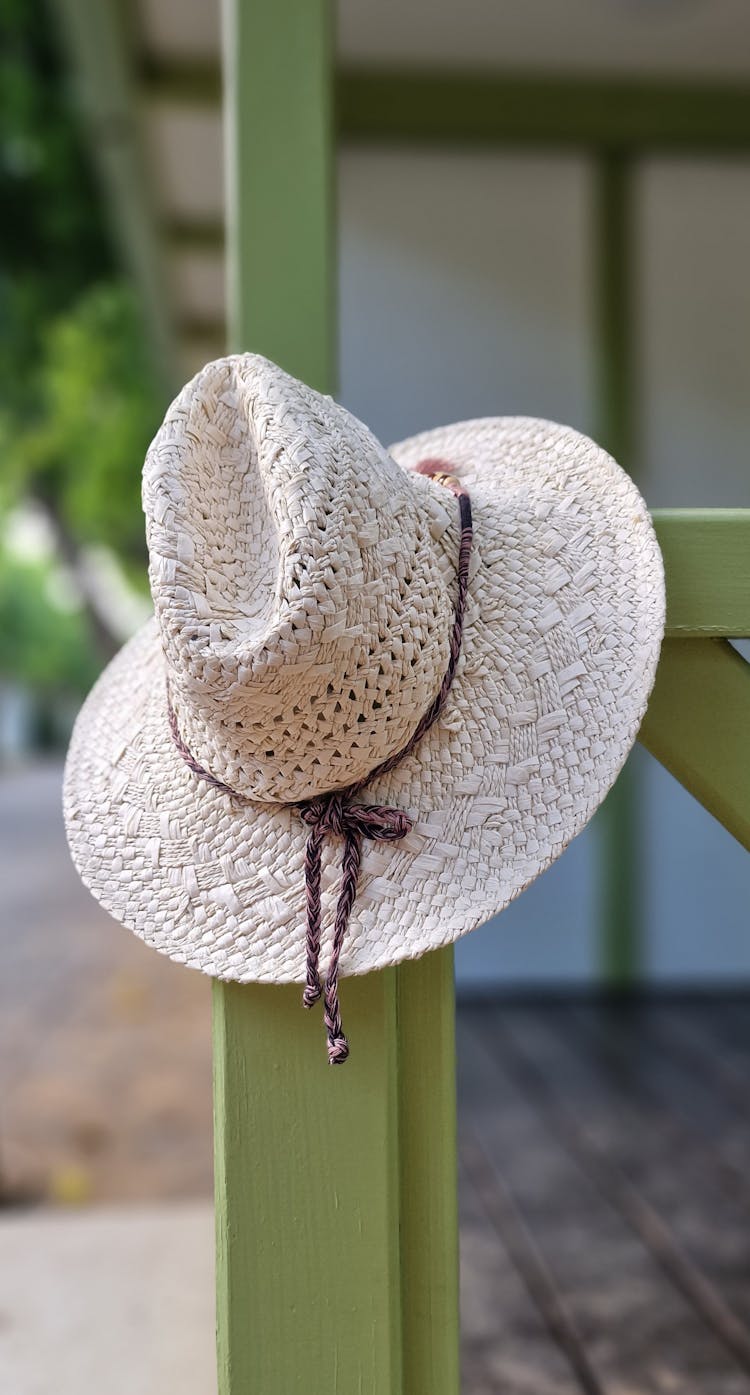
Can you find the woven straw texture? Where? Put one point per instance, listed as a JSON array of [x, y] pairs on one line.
[[304, 584]]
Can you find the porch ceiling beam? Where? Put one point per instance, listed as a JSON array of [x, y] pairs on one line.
[[536, 109], [206, 235], [494, 108]]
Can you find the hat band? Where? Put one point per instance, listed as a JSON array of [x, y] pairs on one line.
[[335, 814]]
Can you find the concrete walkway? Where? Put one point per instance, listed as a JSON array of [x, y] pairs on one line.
[[107, 1301]]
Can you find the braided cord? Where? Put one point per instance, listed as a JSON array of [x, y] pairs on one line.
[[333, 814]]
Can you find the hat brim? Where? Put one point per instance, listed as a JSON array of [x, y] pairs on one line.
[[561, 641]]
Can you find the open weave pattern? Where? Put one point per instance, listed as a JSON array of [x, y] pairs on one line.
[[341, 815], [563, 624], [303, 614]]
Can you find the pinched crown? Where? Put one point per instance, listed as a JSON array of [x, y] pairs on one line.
[[303, 608]]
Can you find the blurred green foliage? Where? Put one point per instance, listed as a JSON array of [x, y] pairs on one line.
[[79, 453], [43, 646], [77, 406], [53, 240]]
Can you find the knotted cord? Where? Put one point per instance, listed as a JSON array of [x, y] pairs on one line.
[[352, 822], [334, 815]]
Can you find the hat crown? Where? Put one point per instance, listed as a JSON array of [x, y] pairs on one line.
[[303, 601]]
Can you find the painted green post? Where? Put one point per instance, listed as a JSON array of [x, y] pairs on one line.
[[280, 211], [335, 1189], [614, 359]]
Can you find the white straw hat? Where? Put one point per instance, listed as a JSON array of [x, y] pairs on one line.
[[305, 584]]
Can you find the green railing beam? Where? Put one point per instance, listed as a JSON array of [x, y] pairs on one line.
[[697, 725], [698, 716], [707, 567]]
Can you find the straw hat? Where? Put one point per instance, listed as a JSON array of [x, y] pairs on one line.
[[305, 593]]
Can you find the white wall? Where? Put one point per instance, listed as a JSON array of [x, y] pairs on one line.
[[695, 390], [465, 290]]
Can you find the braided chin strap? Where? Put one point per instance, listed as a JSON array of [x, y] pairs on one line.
[[330, 815], [335, 815]]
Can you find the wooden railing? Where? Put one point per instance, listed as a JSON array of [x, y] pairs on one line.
[[336, 1191], [336, 1197], [698, 718]]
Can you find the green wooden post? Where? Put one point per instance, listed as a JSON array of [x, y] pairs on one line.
[[280, 183], [335, 1189], [613, 291]]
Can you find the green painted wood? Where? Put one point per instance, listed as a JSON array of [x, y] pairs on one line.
[[697, 725], [707, 568], [279, 184], [613, 224], [427, 1164], [307, 1194], [607, 114], [335, 1189]]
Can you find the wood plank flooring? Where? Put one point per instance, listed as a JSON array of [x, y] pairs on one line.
[[605, 1197], [605, 1152]]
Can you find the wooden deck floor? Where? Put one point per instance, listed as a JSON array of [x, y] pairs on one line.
[[605, 1198], [605, 1154]]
